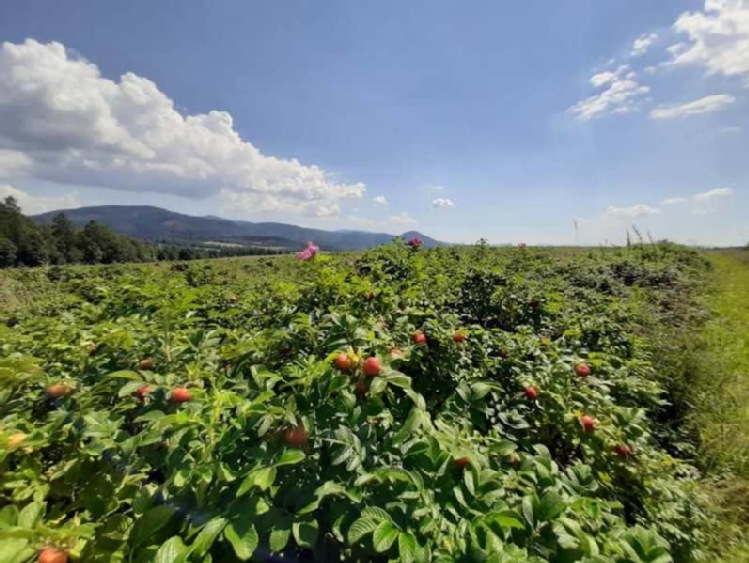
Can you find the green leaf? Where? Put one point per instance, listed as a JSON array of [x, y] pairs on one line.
[[384, 536], [279, 538], [242, 536], [290, 457], [376, 513], [407, 547], [30, 514], [126, 374], [550, 506], [8, 516], [172, 551], [207, 536], [261, 478], [151, 522], [413, 423], [527, 505], [305, 532], [130, 387], [361, 528], [15, 550]]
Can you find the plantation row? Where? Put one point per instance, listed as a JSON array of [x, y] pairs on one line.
[[401, 404]]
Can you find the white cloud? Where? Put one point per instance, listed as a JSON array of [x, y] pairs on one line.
[[718, 38], [643, 43], [431, 188], [634, 212], [707, 104], [31, 205], [380, 200], [607, 76], [702, 202], [730, 129], [402, 218], [442, 202], [622, 95], [72, 126], [705, 198]]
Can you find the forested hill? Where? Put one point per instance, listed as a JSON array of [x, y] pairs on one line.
[[23, 242], [154, 223]]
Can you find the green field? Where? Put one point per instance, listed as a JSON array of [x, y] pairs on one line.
[[400, 404]]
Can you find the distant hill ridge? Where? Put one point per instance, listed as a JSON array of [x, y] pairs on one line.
[[155, 223]]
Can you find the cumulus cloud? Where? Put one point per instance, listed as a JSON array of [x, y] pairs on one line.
[[606, 77], [708, 104], [61, 121], [702, 202], [643, 43], [705, 199], [380, 200], [674, 200], [718, 38], [442, 202], [31, 204], [623, 93], [402, 218], [634, 212]]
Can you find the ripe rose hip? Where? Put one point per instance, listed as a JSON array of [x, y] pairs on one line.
[[295, 436], [52, 555], [361, 387], [371, 295], [582, 370], [462, 462], [588, 423], [342, 362], [181, 395], [623, 450], [57, 390], [371, 367], [419, 338], [142, 392], [146, 364], [459, 337], [531, 393]]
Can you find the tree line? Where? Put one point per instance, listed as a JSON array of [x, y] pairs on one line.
[[25, 243]]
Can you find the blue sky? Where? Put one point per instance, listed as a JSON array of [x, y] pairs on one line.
[[485, 119]]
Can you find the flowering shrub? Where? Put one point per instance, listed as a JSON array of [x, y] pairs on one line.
[[145, 416], [309, 252]]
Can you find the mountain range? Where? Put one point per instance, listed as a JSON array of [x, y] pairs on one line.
[[155, 223]]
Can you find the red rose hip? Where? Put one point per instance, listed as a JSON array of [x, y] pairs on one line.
[[531, 393], [52, 555], [459, 337], [181, 395], [462, 462], [295, 435], [582, 370], [342, 362], [623, 450], [371, 367], [588, 423], [419, 338]]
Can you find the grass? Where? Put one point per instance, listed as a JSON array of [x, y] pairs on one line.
[[719, 363]]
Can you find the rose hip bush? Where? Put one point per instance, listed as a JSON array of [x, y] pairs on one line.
[[397, 405]]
